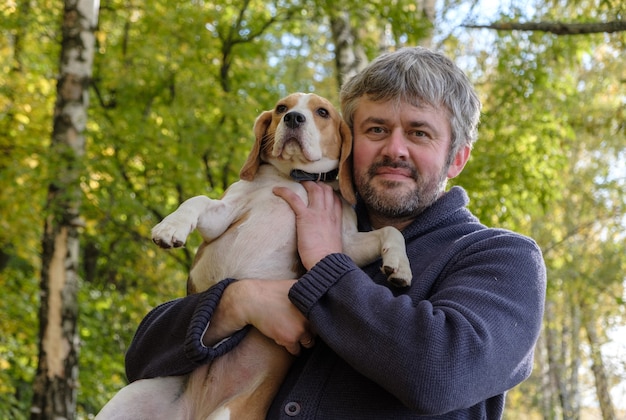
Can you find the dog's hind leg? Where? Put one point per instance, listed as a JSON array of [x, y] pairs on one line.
[[147, 399], [241, 384]]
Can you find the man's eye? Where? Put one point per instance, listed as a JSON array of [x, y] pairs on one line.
[[420, 133]]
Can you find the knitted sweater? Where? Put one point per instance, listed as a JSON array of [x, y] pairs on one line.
[[448, 347]]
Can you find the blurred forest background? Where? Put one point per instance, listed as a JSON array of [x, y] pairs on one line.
[[174, 89]]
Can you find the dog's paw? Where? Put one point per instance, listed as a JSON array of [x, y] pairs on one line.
[[171, 233], [399, 277], [397, 268]]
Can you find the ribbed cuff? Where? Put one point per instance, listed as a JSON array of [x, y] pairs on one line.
[[194, 349], [316, 282]]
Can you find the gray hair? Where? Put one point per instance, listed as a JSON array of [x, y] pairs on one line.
[[418, 76]]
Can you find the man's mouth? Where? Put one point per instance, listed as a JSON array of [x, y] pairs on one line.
[[399, 172], [393, 172]]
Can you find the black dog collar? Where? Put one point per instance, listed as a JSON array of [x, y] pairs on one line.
[[300, 175]]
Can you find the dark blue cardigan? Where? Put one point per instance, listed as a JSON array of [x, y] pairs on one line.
[[448, 347]]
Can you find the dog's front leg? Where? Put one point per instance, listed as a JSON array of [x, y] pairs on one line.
[[388, 243], [210, 217]]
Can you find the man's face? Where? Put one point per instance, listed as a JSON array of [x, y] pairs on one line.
[[400, 157]]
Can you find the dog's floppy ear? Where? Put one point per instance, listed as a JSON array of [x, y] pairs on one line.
[[250, 168], [346, 184]]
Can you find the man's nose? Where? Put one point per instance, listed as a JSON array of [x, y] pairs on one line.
[[396, 145]]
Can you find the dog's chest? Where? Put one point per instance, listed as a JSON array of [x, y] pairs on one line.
[[260, 243]]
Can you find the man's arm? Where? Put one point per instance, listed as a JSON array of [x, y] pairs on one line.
[[473, 338], [168, 341], [180, 335]]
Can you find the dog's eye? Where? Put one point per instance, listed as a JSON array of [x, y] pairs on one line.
[[323, 112], [280, 109]]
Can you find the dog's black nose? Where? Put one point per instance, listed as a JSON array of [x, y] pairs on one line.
[[294, 119]]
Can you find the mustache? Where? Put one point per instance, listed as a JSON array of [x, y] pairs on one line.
[[388, 163]]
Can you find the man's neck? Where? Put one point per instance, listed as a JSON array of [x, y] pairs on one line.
[[378, 221]]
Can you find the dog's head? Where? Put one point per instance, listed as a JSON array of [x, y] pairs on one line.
[[305, 132]]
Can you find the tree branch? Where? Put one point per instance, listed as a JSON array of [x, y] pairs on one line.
[[557, 28]]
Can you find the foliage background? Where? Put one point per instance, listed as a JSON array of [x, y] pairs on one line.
[[176, 89]]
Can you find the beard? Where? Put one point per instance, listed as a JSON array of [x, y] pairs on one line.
[[393, 199]]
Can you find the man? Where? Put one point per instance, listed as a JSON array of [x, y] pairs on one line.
[[451, 344]]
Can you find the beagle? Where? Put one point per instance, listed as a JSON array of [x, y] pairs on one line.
[[250, 233]]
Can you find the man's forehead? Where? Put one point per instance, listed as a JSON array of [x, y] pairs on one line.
[[385, 109]]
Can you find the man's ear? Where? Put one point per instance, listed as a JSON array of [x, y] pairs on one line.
[[458, 162]]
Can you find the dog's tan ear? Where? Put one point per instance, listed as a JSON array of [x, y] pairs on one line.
[[251, 166], [346, 183]]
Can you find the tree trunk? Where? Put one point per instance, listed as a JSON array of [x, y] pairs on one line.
[[575, 361], [599, 372], [55, 384], [548, 405], [427, 9], [350, 58], [557, 359]]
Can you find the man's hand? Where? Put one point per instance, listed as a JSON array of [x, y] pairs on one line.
[[265, 305], [318, 225]]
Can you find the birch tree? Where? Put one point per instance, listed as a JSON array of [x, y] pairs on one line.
[[55, 385]]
